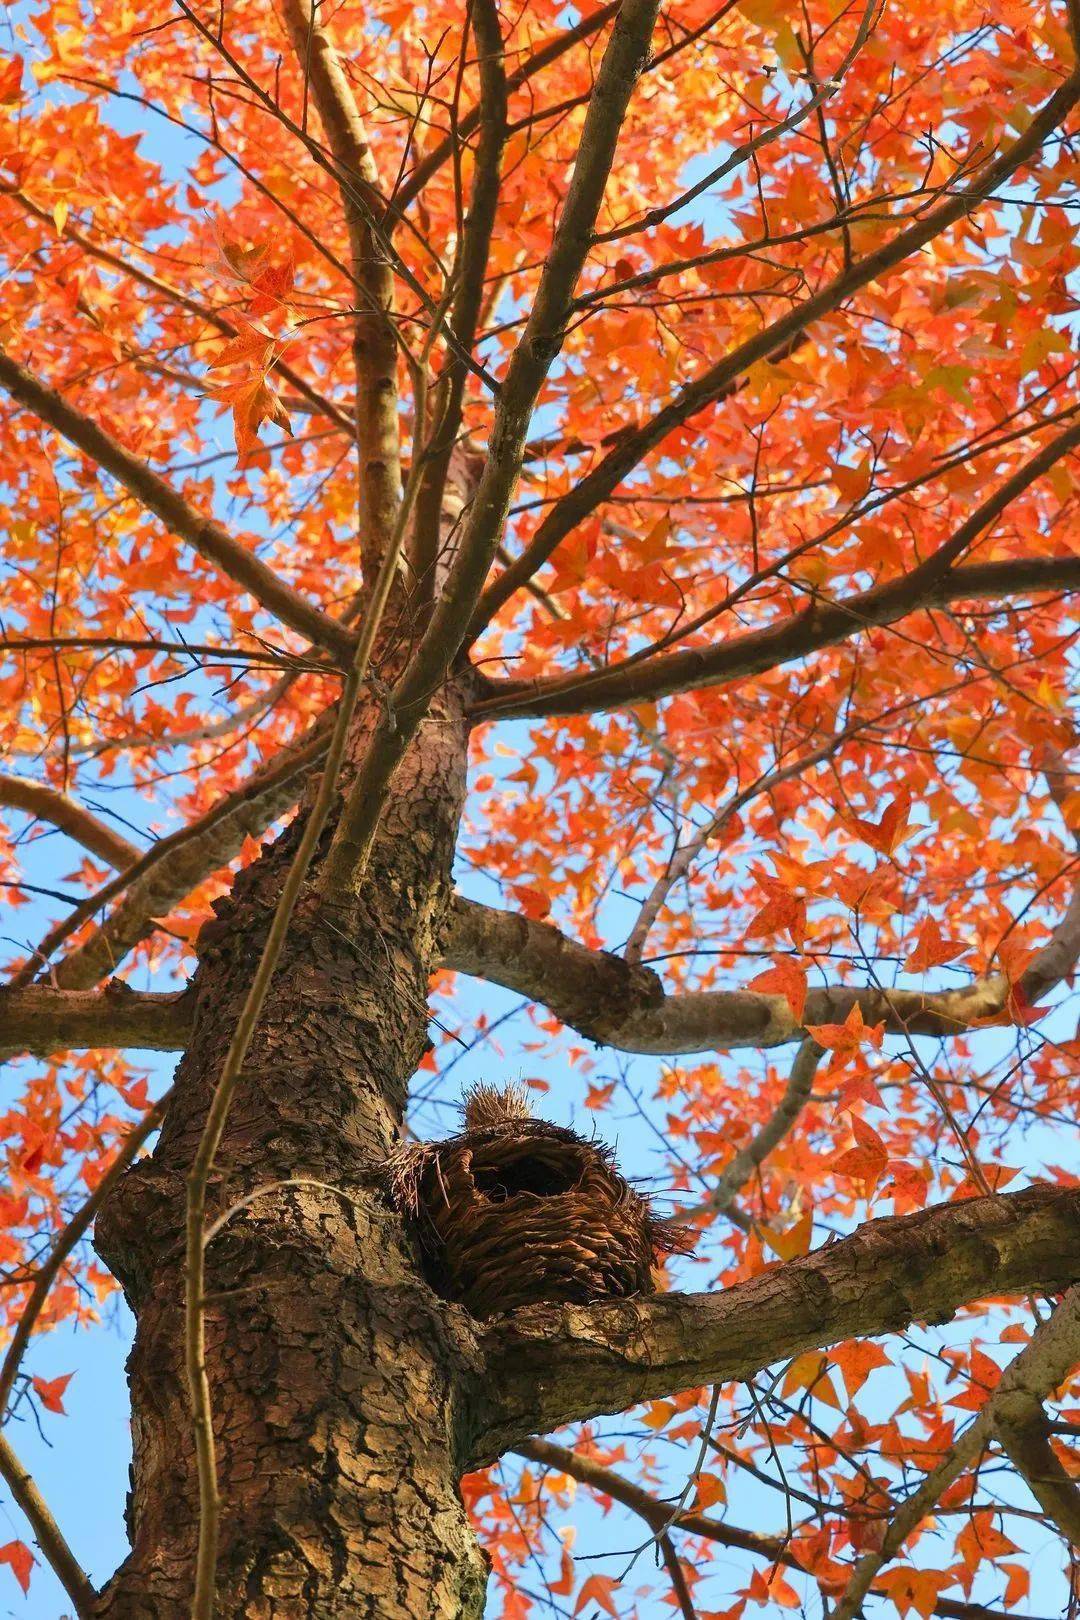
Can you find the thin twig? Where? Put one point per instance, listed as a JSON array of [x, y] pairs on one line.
[[775, 1128]]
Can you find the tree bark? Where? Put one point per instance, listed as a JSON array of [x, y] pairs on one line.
[[338, 1378]]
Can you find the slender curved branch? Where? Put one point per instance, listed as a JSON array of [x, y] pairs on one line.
[[684, 856], [204, 534], [198, 1382], [746, 1161], [50, 804], [547, 1365], [1041, 1366]]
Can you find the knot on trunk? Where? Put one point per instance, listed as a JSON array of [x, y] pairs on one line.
[[142, 1219]]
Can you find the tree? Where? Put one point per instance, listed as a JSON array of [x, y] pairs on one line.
[[673, 415]]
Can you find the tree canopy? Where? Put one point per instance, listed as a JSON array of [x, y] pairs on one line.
[[727, 353]]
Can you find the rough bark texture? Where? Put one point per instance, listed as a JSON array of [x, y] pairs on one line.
[[335, 1371]]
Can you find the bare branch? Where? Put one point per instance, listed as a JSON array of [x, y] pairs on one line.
[[616, 1003], [553, 1364], [746, 1161], [656, 1514], [44, 1020], [686, 854], [772, 132], [216, 653], [206, 535], [50, 804]]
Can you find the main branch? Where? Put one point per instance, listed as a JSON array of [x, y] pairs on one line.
[[375, 347], [549, 1365], [617, 1003]]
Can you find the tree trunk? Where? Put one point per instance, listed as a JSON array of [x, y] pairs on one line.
[[338, 1378]]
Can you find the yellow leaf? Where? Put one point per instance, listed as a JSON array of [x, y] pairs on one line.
[[796, 1240], [659, 1414], [810, 1371]]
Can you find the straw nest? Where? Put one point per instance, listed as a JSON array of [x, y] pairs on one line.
[[515, 1210]]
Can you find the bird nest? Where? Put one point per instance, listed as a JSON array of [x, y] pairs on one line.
[[515, 1210]]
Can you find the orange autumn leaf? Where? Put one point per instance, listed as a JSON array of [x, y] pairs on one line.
[[980, 1540], [11, 72], [708, 1491], [933, 949], [856, 1361], [810, 1371], [917, 1589], [598, 1589], [795, 1240], [531, 900], [772, 1586], [846, 1038], [887, 834], [50, 1391], [785, 978], [865, 1161], [1018, 1584], [565, 1583], [17, 1555], [783, 909]]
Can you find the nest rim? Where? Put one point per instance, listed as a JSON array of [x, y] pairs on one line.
[[494, 1237]]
